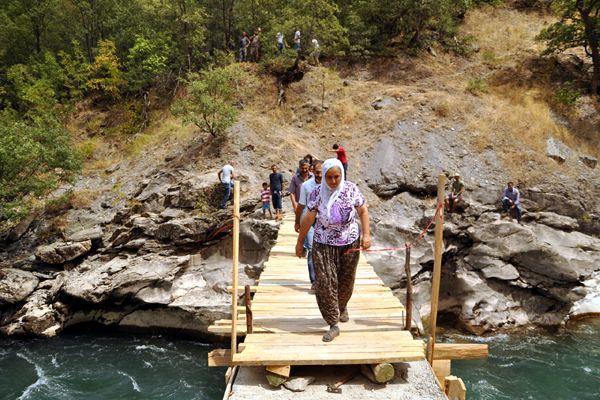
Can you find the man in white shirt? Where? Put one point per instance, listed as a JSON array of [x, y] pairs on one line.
[[226, 177], [305, 191], [297, 41]]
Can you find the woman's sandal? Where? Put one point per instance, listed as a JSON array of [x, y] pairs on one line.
[[344, 316], [333, 332]]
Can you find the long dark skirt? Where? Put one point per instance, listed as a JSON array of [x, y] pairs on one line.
[[335, 273]]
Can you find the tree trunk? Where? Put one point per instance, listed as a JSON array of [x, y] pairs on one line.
[[592, 42]]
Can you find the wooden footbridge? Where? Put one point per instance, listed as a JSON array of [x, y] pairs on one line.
[[283, 326]]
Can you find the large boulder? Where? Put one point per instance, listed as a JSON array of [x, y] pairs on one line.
[[41, 315], [122, 277], [61, 252], [542, 255], [16, 285]]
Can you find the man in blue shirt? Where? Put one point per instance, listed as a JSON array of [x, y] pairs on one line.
[[511, 200]]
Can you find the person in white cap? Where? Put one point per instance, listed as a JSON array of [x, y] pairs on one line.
[[455, 196]]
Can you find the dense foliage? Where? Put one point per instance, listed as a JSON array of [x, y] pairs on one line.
[[579, 26]]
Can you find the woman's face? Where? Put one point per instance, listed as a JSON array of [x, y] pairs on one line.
[[333, 177]]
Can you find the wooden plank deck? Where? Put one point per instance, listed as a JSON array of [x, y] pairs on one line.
[[288, 326]]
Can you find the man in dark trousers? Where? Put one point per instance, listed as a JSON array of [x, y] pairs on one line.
[[276, 185]]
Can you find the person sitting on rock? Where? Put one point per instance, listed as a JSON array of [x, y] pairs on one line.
[[455, 196], [511, 200]]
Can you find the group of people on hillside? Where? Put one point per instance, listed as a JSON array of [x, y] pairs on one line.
[[328, 209], [250, 46], [251, 49]]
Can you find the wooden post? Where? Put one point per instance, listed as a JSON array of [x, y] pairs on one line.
[[408, 323], [234, 272], [437, 266], [248, 302]]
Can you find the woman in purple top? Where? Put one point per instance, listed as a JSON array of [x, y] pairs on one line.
[[334, 206]]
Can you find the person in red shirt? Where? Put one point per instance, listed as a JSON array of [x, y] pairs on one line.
[[341, 155]]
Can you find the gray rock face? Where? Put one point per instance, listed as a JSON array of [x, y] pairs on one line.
[[61, 252], [553, 220], [41, 315], [557, 150], [16, 285], [546, 254], [94, 233], [380, 103], [95, 282], [589, 161], [299, 384]]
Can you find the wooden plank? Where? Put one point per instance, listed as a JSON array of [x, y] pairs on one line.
[[442, 369], [455, 388], [280, 370], [264, 359], [219, 358], [315, 338], [460, 351], [234, 278]]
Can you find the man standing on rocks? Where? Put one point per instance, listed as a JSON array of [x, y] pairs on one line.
[[511, 200], [298, 179], [305, 191], [276, 186], [341, 155], [226, 177], [455, 195]]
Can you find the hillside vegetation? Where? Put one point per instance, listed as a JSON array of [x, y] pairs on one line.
[[88, 84]]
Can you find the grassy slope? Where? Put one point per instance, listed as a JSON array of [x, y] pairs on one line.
[[439, 91]]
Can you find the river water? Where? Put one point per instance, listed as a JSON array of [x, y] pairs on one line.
[[89, 366]]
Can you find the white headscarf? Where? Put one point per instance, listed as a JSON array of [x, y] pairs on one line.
[[328, 195]]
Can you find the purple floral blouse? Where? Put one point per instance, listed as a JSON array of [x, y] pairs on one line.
[[343, 227]]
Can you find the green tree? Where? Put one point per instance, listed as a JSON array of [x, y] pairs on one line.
[[212, 98], [30, 151], [105, 71], [579, 25], [147, 61]]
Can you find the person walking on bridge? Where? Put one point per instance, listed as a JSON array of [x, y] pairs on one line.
[[226, 177], [305, 191], [298, 179], [276, 187], [333, 207]]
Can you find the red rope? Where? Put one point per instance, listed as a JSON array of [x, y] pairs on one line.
[[437, 210]]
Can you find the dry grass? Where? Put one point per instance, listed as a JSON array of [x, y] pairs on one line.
[[83, 198], [502, 32]]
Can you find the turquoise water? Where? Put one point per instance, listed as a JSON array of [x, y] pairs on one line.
[[84, 366], [532, 365]]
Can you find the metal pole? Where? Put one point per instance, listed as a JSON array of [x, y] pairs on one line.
[[437, 266]]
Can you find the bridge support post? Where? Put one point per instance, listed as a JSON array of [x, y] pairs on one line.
[[437, 266], [234, 272]]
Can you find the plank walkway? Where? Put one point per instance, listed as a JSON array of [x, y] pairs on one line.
[[287, 324]]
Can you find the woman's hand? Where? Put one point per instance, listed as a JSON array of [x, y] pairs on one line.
[[299, 249], [366, 242]]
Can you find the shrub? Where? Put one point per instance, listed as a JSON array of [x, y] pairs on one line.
[[34, 155], [477, 86], [212, 99]]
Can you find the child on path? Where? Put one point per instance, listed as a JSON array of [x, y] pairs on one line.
[[265, 196]]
